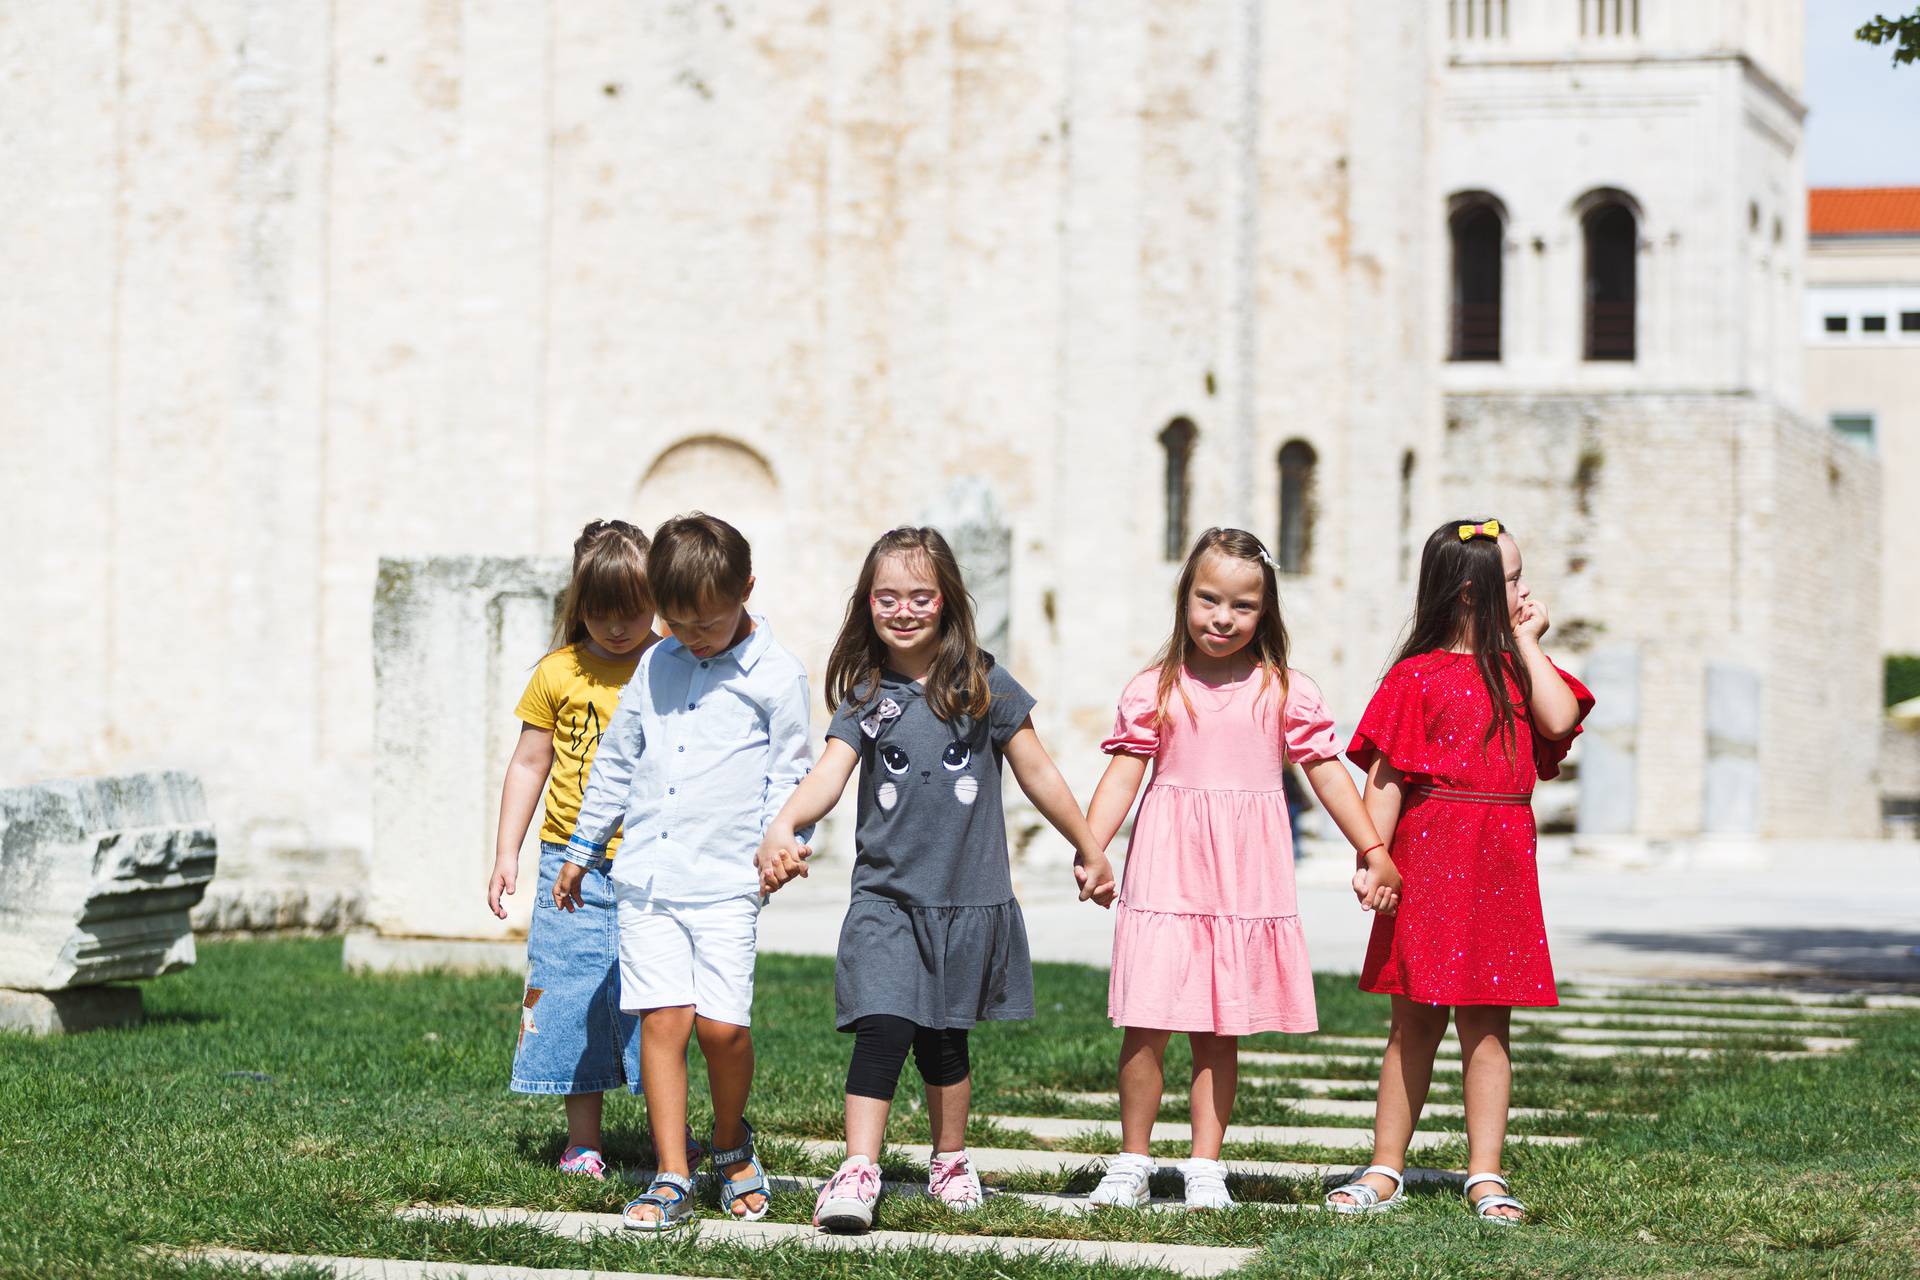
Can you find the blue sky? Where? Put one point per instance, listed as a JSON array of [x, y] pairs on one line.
[[1863, 113]]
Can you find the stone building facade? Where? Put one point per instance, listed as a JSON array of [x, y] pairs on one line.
[[299, 286]]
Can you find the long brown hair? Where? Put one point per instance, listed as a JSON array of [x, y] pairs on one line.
[[1269, 643], [609, 579], [956, 685], [1463, 595]]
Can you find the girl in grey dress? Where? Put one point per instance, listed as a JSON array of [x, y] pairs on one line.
[[933, 940]]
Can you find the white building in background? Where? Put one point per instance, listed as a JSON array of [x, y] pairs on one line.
[[299, 286], [1861, 323]]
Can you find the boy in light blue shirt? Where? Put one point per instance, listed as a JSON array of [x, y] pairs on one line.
[[710, 738]]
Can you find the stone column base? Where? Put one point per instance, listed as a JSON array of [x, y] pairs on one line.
[[370, 952], [53, 1013]]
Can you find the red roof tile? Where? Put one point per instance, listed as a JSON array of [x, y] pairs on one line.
[[1863, 211]]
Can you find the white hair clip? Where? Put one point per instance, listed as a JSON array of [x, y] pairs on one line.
[[1271, 562]]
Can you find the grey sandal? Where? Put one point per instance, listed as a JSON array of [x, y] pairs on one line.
[[1365, 1198], [671, 1194], [734, 1190], [1484, 1206]]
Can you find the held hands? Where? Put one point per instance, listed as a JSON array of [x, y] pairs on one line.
[[1531, 623], [504, 880], [780, 858], [566, 886], [1094, 874], [1376, 883]]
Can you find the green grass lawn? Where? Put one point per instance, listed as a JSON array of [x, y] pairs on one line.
[[273, 1102]]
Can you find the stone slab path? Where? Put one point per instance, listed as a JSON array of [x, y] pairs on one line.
[[1666, 1028], [1182, 1259]]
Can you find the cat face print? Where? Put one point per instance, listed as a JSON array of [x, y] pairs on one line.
[[952, 772]]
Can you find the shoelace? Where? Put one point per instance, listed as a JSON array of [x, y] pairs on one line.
[[863, 1180], [946, 1173]]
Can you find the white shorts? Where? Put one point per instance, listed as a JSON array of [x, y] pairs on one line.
[[688, 953]]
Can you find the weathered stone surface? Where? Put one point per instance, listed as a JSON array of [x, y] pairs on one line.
[[368, 950], [1609, 763], [970, 519], [454, 641], [1731, 804], [51, 1013], [97, 877]]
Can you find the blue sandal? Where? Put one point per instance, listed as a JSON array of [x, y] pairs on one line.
[[735, 1190], [672, 1195]]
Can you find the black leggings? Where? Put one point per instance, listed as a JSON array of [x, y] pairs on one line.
[[880, 1043]]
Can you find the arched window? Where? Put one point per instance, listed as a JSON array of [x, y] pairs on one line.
[[1477, 224], [1177, 441], [1611, 230], [1296, 505]]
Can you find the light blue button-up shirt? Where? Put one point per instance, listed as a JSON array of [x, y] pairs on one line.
[[695, 765]]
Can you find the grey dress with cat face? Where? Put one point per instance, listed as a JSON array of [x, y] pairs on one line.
[[934, 933]]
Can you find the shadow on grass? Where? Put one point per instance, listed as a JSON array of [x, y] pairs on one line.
[[1877, 954]]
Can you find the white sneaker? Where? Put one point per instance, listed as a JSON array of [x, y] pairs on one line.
[[846, 1202], [1125, 1186], [1206, 1184]]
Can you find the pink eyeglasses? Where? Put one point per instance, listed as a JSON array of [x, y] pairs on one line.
[[920, 604]]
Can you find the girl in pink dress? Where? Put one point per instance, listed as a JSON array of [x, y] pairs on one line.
[[1207, 936], [1471, 712]]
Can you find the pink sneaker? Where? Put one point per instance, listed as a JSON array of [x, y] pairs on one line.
[[846, 1202], [584, 1160], [954, 1182]]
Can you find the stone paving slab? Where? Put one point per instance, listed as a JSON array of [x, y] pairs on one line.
[[1318, 1084], [1781, 995], [1558, 1049], [1183, 1259], [1053, 1127], [1354, 1108], [1367, 1067], [1066, 1205], [1005, 1160], [1610, 1019], [1826, 1015], [1599, 1036], [402, 1268]]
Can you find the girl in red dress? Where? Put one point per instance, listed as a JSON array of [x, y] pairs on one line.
[[1471, 712]]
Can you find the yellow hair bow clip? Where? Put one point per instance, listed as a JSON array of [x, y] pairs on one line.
[[1490, 529]]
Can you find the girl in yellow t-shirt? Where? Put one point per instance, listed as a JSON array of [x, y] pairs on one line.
[[573, 1038]]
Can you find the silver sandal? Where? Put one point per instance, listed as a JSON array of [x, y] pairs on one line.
[[1483, 1207], [672, 1195], [1365, 1198]]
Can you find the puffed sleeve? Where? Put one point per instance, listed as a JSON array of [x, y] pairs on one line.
[[1549, 752], [1307, 723], [1394, 726], [1135, 728]]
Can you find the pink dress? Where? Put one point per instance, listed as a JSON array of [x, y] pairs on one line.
[[1207, 930]]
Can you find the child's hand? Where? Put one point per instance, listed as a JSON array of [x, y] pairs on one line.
[[505, 879], [1376, 883], [774, 859], [566, 887], [1094, 874], [792, 865], [1532, 622]]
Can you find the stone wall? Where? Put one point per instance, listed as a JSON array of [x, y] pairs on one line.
[[1703, 534]]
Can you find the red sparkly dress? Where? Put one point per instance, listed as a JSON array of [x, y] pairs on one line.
[[1469, 929]]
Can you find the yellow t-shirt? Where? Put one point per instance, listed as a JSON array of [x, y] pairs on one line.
[[573, 692]]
